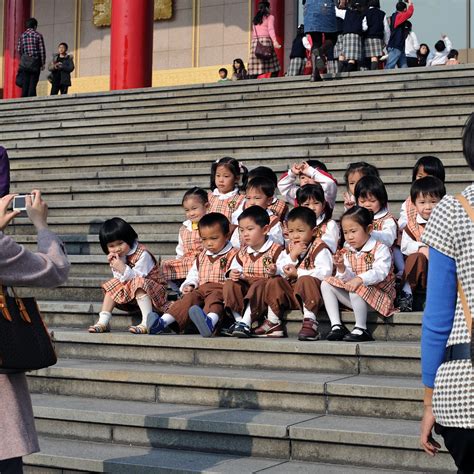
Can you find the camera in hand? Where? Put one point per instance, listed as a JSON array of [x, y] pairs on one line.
[[19, 202]]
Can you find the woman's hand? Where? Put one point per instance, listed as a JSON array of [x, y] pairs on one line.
[[353, 284], [277, 45], [37, 210], [6, 216], [427, 442]]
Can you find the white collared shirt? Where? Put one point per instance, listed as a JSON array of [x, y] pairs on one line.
[[380, 267], [192, 278], [141, 269], [388, 234], [332, 235], [228, 195], [323, 265], [409, 246]]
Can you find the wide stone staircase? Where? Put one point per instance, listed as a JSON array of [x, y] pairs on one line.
[[141, 404]]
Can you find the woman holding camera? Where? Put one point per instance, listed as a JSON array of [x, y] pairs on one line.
[[49, 267]]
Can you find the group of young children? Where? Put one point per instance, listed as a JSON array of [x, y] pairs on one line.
[[244, 258]]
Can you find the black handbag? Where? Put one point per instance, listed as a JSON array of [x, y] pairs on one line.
[[25, 343], [29, 63], [262, 51]]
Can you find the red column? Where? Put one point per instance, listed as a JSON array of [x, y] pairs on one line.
[[277, 8], [15, 15], [131, 49]]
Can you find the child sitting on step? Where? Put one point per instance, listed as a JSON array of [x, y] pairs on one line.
[[137, 281], [249, 273], [278, 206], [425, 194], [312, 196], [354, 172], [203, 300], [306, 263], [195, 204], [308, 172], [260, 192], [226, 175], [364, 278]]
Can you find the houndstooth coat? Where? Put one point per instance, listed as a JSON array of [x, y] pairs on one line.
[[451, 232]]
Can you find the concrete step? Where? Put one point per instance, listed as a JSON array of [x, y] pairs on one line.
[[295, 436], [80, 315], [380, 357], [288, 390], [59, 456]]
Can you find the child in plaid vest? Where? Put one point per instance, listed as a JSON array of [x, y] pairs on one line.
[[249, 273], [195, 204], [425, 194], [137, 278], [260, 192], [203, 300], [312, 196], [364, 278], [227, 174], [354, 172], [308, 172], [306, 263]]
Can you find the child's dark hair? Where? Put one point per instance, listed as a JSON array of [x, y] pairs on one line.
[[432, 166], [263, 184], [373, 3], [238, 170], [263, 172], [468, 141], [453, 54], [427, 50], [440, 46], [314, 192], [366, 169], [215, 218], [257, 214], [116, 229], [401, 6], [304, 214], [240, 63], [317, 164], [197, 193], [361, 215], [373, 186], [63, 44], [427, 186], [223, 69]]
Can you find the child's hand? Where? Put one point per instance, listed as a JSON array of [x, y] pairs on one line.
[[118, 265], [305, 169], [111, 256], [353, 284], [297, 250], [290, 271], [296, 169], [187, 289], [271, 269], [424, 251], [235, 275], [348, 201], [339, 261]]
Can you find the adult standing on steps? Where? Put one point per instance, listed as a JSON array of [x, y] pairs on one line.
[[263, 32], [32, 58], [447, 350], [319, 20], [48, 267]]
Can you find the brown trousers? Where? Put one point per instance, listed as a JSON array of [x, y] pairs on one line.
[[416, 271], [237, 294], [281, 295], [209, 296]]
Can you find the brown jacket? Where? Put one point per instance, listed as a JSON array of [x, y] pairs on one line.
[[20, 267]]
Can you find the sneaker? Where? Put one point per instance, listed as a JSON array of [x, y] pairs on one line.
[[242, 331], [228, 331], [201, 320], [309, 331], [157, 327], [366, 336], [337, 333], [404, 302], [268, 329]]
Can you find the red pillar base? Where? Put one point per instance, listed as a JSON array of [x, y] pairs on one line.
[[131, 50], [15, 15]]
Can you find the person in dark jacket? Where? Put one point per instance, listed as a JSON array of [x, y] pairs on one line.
[[61, 67], [297, 55], [377, 33], [4, 173], [399, 32]]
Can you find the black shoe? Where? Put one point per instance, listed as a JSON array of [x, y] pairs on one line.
[[364, 337], [242, 331], [338, 331], [404, 302], [228, 332]]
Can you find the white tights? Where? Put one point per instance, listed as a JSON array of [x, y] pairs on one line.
[[332, 296]]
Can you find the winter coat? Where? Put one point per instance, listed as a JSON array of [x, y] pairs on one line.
[[63, 74]]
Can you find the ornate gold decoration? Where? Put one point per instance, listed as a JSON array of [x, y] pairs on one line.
[[102, 11]]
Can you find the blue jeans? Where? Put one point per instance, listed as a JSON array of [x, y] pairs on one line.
[[395, 56]]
